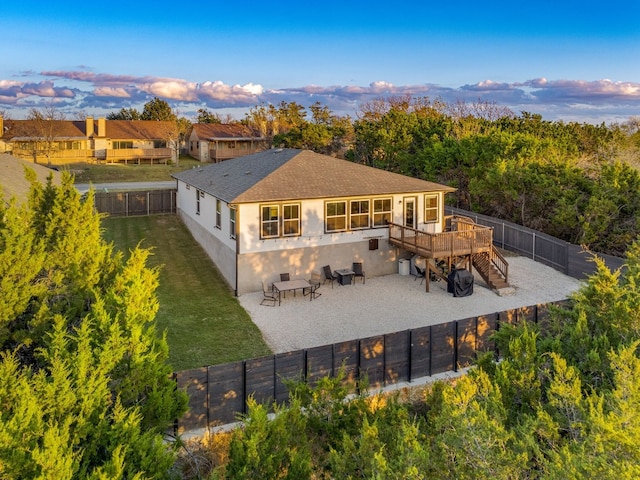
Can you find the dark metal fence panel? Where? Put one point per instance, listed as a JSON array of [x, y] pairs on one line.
[[443, 338], [372, 351], [136, 203], [420, 353], [226, 393], [467, 336], [538, 246], [565, 257], [508, 317], [319, 363], [486, 325], [581, 263], [195, 382], [289, 367], [219, 393], [260, 379], [529, 313], [396, 360], [346, 355]]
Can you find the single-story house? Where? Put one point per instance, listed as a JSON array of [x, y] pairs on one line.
[[294, 211], [64, 141], [215, 142]]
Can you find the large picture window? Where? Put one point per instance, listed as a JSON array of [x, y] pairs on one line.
[[290, 220], [431, 208], [358, 214], [335, 216], [381, 212], [269, 221]]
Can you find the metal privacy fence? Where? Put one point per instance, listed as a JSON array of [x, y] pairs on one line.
[[136, 203], [218, 394], [563, 256]]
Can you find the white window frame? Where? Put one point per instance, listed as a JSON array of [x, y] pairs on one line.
[[198, 202], [335, 216], [232, 222], [291, 221], [380, 217], [429, 210], [360, 214], [218, 213], [271, 221]]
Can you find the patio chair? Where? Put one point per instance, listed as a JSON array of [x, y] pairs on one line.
[[315, 281], [285, 277], [268, 296], [313, 291], [420, 273], [329, 275], [358, 272]]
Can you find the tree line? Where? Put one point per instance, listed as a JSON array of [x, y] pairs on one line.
[[85, 387], [576, 181]]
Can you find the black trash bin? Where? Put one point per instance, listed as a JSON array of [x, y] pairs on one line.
[[460, 282]]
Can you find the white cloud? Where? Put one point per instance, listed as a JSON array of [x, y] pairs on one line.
[[111, 92], [553, 98]]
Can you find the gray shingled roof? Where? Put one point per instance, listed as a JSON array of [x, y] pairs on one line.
[[291, 174], [13, 182]]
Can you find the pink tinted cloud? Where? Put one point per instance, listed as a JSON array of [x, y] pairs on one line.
[[585, 89]]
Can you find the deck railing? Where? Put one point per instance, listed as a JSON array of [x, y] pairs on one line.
[[500, 262], [222, 153], [137, 153], [80, 154], [467, 239]]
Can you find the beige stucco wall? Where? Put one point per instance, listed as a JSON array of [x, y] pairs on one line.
[[253, 268], [200, 149], [264, 259], [222, 256]]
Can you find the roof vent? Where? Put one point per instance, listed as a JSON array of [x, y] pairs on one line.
[[248, 172], [278, 150], [225, 174]]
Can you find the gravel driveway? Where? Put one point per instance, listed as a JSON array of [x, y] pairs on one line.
[[394, 303]]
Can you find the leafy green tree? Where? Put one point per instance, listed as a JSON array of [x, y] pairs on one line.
[[205, 116], [85, 386], [157, 109], [125, 114], [277, 448]]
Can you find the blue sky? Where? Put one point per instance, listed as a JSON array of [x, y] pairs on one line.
[[568, 60]]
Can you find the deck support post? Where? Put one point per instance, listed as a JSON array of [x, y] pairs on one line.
[[427, 275]]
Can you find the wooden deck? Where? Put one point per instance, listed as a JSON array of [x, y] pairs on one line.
[[466, 240]]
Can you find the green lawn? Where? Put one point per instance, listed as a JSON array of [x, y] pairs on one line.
[[204, 321], [109, 173]]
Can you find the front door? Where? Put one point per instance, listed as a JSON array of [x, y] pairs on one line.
[[410, 212]]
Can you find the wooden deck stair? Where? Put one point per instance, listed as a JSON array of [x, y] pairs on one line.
[[464, 242], [489, 271]]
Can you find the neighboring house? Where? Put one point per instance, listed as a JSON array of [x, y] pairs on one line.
[[294, 211], [13, 180], [215, 142], [64, 141]]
